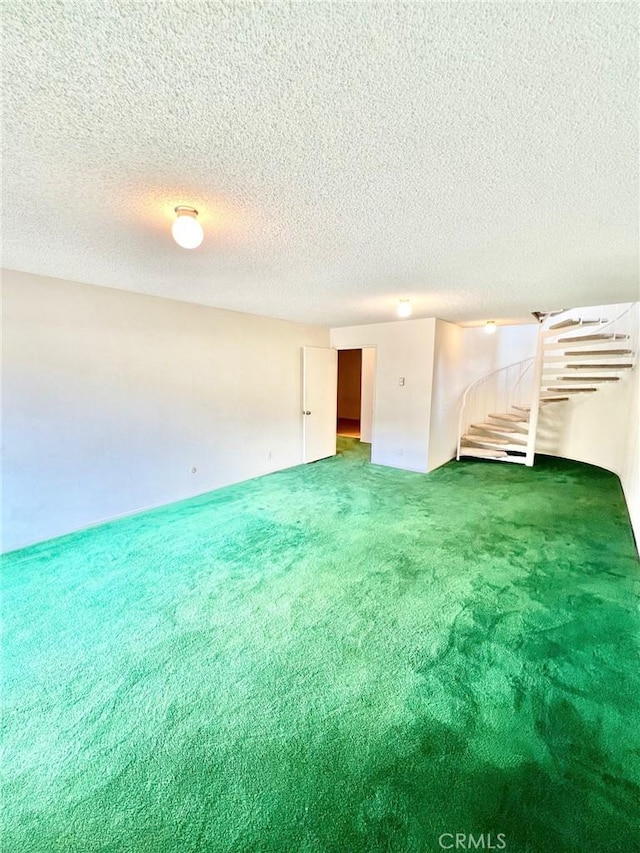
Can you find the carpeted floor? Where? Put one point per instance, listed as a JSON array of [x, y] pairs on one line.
[[338, 657]]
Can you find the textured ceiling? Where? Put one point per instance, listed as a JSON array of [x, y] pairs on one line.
[[480, 158]]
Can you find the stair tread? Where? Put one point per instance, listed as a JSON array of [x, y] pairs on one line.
[[490, 440], [587, 379], [553, 399], [496, 428], [599, 353], [489, 435], [586, 389], [599, 337], [607, 366], [510, 416], [483, 452], [478, 439], [567, 323], [522, 408]]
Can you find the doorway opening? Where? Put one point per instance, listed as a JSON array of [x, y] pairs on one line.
[[349, 392], [355, 393]]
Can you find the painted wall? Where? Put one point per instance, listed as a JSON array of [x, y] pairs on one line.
[[367, 394], [404, 350], [590, 428], [601, 428], [449, 381], [111, 398], [630, 471], [349, 383], [484, 353]]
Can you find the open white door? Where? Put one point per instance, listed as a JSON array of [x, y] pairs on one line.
[[319, 402]]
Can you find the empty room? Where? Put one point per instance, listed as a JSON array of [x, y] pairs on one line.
[[320, 426]]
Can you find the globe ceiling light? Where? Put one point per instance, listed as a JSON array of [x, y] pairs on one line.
[[404, 308], [490, 327], [186, 230]]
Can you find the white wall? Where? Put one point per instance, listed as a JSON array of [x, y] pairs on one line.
[[111, 398], [449, 381], [367, 393], [484, 353], [589, 428], [630, 470], [600, 428], [401, 412]]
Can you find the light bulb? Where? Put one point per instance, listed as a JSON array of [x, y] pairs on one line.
[[490, 327], [186, 230], [404, 308]]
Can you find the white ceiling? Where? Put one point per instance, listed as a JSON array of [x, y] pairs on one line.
[[480, 158]]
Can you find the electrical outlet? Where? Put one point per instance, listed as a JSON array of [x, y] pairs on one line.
[[193, 470], [401, 380]]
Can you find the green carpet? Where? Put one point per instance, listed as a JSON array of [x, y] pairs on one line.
[[338, 657]]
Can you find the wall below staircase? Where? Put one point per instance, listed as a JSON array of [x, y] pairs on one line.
[[630, 473], [600, 429], [590, 428]]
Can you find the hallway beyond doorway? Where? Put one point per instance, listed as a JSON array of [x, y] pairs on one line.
[[348, 427]]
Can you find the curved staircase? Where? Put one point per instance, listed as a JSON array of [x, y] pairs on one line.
[[579, 356], [579, 351], [495, 418]]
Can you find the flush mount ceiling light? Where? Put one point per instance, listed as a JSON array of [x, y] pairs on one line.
[[490, 327], [186, 230], [404, 308]]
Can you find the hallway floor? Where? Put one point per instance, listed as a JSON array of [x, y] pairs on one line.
[[348, 428]]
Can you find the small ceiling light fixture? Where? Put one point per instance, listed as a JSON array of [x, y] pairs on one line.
[[186, 230], [490, 327], [404, 308]]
